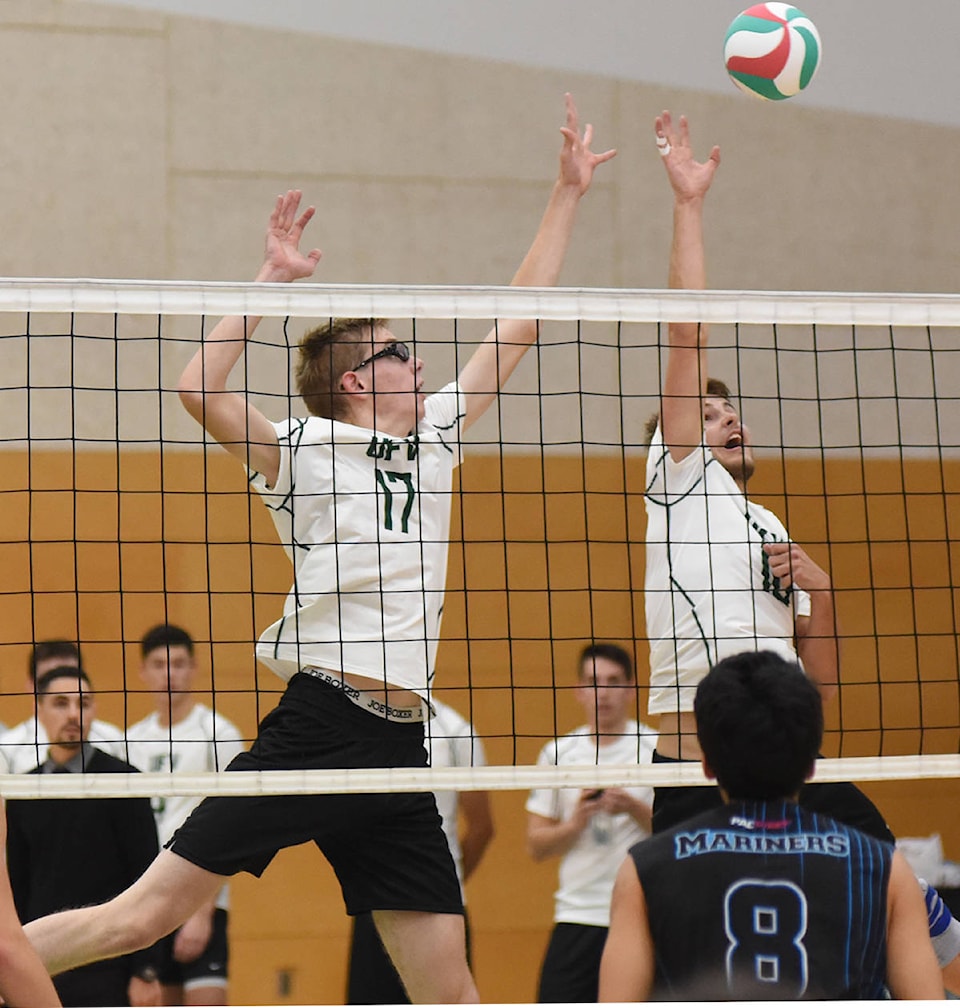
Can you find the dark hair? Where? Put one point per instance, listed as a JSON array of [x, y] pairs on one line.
[[166, 636], [326, 353], [760, 724], [612, 652], [716, 389], [56, 648], [61, 672]]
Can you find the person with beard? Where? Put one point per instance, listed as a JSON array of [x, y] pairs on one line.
[[64, 852]]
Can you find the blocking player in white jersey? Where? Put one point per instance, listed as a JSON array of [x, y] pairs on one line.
[[360, 492], [24, 746], [185, 736], [721, 572]]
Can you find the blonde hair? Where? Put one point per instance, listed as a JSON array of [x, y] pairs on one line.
[[325, 354]]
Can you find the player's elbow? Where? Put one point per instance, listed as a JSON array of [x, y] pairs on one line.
[[536, 849], [191, 396]]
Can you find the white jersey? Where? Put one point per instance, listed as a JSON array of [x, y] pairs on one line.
[[365, 519], [709, 592], [25, 746], [589, 869], [203, 741], [450, 742]]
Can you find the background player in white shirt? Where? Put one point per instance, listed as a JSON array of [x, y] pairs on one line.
[[357, 684], [590, 831], [185, 736], [25, 745], [721, 572]]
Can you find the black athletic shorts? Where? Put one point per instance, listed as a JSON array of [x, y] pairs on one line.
[[674, 805], [389, 851], [209, 969], [571, 965]]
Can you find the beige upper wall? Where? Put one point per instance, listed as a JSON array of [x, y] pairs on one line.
[[138, 145]]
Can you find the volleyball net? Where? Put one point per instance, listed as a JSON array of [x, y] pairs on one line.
[[118, 515]]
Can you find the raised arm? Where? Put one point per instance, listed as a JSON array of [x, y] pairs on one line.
[[685, 381], [495, 359], [227, 416]]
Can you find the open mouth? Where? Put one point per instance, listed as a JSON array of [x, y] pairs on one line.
[[734, 442]]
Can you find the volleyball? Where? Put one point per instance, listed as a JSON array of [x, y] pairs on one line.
[[772, 50]]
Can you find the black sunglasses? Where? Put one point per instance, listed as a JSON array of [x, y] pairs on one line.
[[397, 349]]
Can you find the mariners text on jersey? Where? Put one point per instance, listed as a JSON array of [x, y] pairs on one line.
[[709, 841]]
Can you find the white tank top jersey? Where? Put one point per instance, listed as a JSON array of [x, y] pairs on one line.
[[708, 591], [203, 741], [365, 520], [589, 869]]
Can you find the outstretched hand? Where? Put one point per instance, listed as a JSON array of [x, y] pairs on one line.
[[690, 179], [282, 259], [577, 161]]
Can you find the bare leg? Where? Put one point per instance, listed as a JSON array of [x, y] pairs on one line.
[[167, 893], [430, 953]]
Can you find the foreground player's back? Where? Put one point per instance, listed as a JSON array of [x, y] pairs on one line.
[[764, 899]]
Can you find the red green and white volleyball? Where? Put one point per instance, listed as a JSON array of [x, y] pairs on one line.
[[772, 50]]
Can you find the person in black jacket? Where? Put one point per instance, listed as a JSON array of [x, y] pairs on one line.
[[64, 852]]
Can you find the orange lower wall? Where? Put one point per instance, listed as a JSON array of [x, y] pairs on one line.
[[547, 553]]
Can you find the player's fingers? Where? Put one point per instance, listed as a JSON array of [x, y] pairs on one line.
[[684, 131], [303, 220], [571, 109]]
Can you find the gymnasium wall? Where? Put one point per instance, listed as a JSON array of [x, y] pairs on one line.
[[139, 145]]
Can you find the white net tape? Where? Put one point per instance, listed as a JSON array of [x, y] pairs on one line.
[[547, 304], [491, 778]]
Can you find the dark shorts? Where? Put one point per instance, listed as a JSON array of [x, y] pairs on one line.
[[672, 805], [209, 969], [846, 803], [97, 984], [571, 966], [389, 851]]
